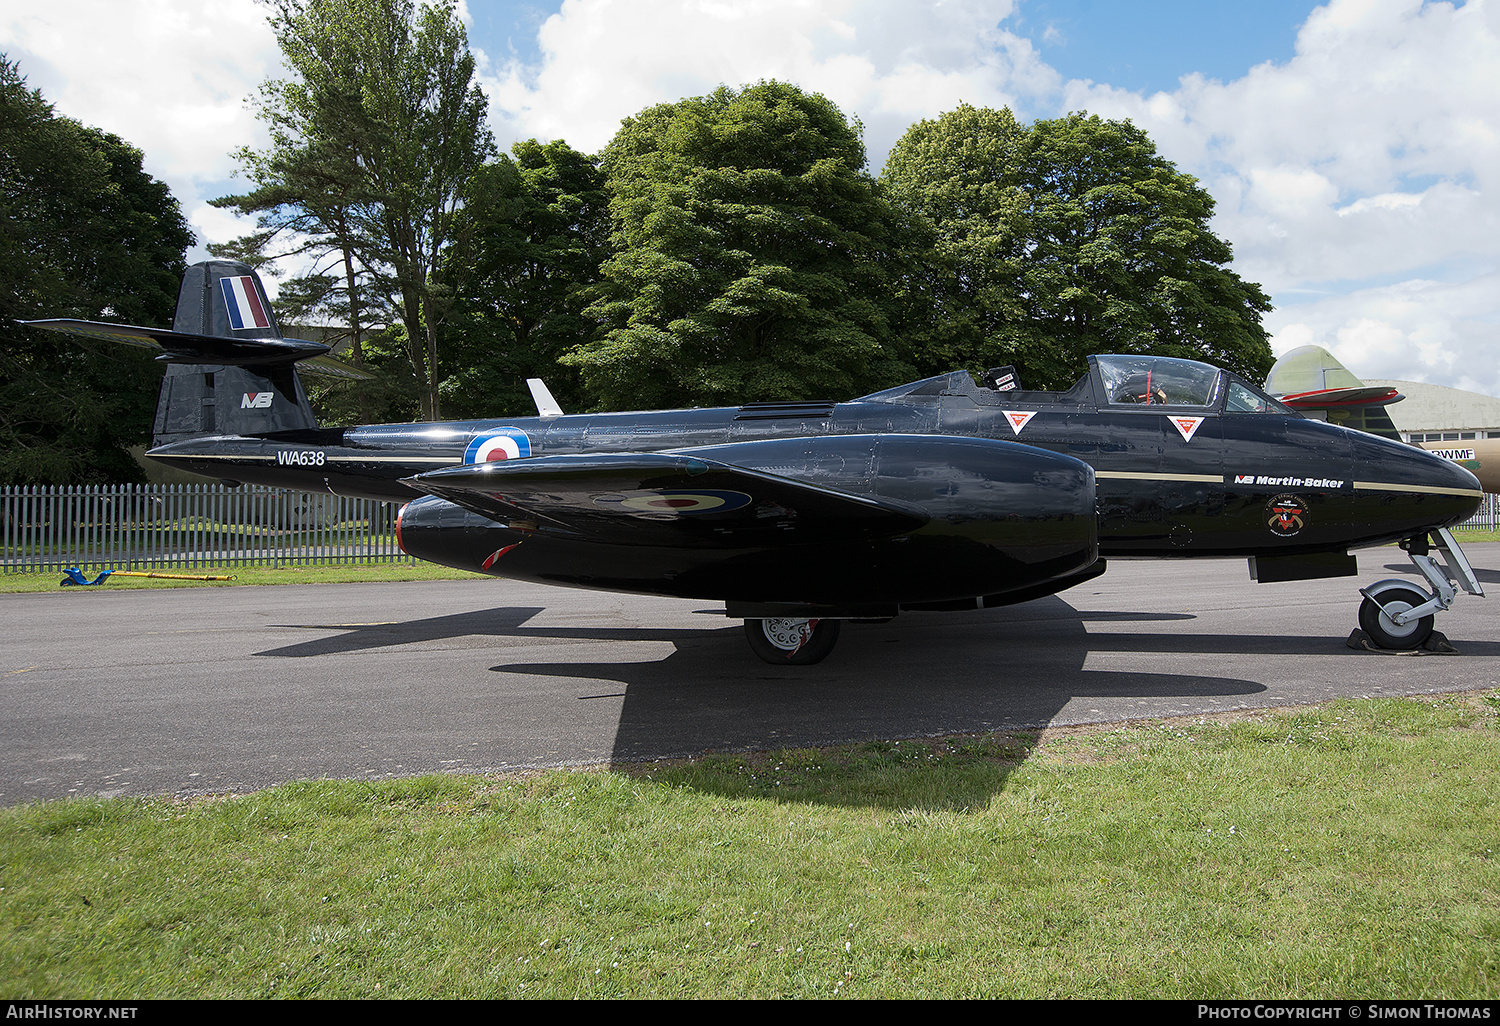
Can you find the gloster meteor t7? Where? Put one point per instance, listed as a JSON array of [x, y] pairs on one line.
[[942, 494]]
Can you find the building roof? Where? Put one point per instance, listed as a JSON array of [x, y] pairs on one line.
[[1439, 408]]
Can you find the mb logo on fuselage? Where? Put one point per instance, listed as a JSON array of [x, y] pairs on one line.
[[1288, 482]]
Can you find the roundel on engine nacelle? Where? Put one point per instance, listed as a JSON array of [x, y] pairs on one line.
[[509, 444], [673, 501]]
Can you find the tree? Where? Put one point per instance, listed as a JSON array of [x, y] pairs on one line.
[[306, 200], [959, 173], [541, 232], [376, 141], [1082, 239], [1120, 256], [84, 232], [753, 256]]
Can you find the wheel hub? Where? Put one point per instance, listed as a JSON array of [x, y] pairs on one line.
[[1389, 610], [788, 635]]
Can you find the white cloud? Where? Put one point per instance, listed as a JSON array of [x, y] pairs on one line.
[[168, 76], [891, 62], [1382, 97], [1371, 157], [1385, 201], [1417, 330]]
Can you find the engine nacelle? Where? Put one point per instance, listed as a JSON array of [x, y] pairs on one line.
[[977, 517]]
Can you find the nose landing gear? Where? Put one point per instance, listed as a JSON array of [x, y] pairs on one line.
[[1398, 616]]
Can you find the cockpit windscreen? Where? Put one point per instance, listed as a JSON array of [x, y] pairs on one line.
[[1158, 380]]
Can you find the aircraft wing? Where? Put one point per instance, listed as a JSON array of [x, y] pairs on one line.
[[665, 499]]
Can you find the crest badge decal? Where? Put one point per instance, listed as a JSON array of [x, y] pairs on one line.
[[1018, 418], [1286, 515], [1186, 426]]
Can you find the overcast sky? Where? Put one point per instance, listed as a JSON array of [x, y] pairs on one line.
[[1353, 147]]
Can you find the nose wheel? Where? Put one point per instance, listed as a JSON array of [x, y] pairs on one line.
[[1379, 621], [1396, 615]]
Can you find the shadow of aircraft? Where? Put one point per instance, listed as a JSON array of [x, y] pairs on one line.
[[923, 675], [920, 676], [1010, 670]]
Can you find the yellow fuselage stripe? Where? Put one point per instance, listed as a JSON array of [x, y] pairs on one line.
[[1126, 475], [1377, 486], [329, 459], [1384, 486], [1107, 475]]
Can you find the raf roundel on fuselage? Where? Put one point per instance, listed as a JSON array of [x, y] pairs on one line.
[[510, 444]]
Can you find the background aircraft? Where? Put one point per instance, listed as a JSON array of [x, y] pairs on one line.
[[1312, 381], [940, 494]]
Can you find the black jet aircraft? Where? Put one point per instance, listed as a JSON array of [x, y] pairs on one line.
[[942, 494]]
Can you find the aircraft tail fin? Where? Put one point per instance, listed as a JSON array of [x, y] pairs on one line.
[[224, 299], [229, 371], [1313, 382], [217, 386]]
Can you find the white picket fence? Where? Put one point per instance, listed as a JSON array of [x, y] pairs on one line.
[[1487, 517], [116, 527]]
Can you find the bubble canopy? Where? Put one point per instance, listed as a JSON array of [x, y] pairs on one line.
[[1158, 380]]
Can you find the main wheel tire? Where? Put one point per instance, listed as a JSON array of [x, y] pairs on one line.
[[1385, 632], [789, 642]]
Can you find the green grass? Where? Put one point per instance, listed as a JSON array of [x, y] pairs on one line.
[[1475, 537], [1345, 851], [321, 573]]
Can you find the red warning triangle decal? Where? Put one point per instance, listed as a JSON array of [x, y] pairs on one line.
[[1186, 426], [1018, 418]]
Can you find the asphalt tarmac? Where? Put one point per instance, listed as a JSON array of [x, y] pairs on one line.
[[199, 691]]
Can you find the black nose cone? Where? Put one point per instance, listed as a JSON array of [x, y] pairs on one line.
[[1411, 488]]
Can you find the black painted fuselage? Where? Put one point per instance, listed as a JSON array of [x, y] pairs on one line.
[[1017, 492]]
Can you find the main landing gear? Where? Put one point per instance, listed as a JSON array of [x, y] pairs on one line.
[[1397, 615], [788, 642]]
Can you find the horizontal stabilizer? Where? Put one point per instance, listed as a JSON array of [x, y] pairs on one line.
[[1330, 398], [184, 347], [663, 499]]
